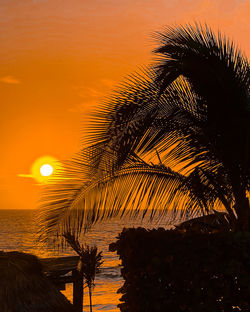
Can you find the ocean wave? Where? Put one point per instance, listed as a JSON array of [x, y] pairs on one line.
[[110, 273], [105, 307]]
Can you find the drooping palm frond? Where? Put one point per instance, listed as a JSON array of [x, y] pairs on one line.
[[117, 124], [77, 204], [219, 74], [188, 49], [136, 189], [137, 120], [118, 137], [175, 137]]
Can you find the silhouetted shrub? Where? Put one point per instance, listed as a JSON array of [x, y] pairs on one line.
[[165, 270]]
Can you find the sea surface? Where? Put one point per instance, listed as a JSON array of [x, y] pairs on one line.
[[17, 232]]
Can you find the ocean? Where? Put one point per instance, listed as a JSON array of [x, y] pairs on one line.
[[17, 232]]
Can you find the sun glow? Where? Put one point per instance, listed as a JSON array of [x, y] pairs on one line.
[[45, 168]]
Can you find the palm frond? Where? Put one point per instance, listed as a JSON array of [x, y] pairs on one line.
[[191, 48], [136, 189], [137, 121], [172, 138], [219, 74]]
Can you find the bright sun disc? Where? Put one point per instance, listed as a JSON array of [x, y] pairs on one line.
[[46, 170]]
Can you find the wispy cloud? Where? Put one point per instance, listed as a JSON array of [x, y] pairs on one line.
[[83, 107], [91, 96], [9, 80], [103, 86], [22, 175], [89, 92]]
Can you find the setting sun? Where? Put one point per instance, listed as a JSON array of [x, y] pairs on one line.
[[44, 169]]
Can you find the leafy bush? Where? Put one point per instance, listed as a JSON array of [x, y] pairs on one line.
[[165, 270]]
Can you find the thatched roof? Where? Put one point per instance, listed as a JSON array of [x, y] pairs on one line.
[[24, 288]]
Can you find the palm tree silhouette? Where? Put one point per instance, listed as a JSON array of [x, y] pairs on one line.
[[219, 74], [172, 137], [90, 262]]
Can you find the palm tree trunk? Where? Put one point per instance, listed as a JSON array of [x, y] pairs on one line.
[[242, 207], [243, 212], [242, 204], [90, 299]]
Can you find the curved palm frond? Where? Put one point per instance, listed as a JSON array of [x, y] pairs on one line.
[[136, 120], [120, 137], [173, 136], [190, 48], [219, 74], [137, 189]]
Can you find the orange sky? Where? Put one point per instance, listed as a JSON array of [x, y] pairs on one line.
[[59, 57]]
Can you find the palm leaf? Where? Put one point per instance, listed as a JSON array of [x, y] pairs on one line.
[[136, 189], [190, 112], [219, 74]]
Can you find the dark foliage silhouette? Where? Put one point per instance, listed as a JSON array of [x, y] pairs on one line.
[[172, 138], [90, 262]]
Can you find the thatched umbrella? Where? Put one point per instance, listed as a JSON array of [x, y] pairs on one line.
[[24, 288]]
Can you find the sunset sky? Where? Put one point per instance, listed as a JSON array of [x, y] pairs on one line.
[[60, 57]]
